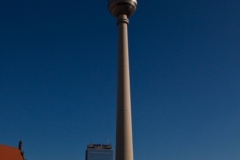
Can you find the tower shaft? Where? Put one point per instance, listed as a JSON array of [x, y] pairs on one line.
[[124, 142]]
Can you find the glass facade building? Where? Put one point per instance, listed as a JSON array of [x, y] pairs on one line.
[[99, 152]]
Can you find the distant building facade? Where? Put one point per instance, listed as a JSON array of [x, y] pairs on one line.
[[11, 153], [99, 152]]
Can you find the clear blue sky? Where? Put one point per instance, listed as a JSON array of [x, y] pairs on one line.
[[58, 74]]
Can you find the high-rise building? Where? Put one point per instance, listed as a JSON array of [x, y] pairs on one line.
[[99, 152]]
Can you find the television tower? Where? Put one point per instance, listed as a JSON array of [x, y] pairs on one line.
[[122, 10]]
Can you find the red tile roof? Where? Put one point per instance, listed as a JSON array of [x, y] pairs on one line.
[[10, 153]]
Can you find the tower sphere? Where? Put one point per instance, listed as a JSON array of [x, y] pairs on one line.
[[117, 7]]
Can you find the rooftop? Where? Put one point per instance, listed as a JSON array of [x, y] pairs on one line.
[[100, 146], [10, 153]]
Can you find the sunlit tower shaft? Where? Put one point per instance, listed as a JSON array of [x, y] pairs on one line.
[[122, 10], [124, 147]]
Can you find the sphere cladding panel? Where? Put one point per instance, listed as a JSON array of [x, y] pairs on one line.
[[117, 7]]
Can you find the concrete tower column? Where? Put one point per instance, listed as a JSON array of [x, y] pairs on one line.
[[122, 10], [124, 146]]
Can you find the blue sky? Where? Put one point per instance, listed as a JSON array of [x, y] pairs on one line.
[[58, 74]]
